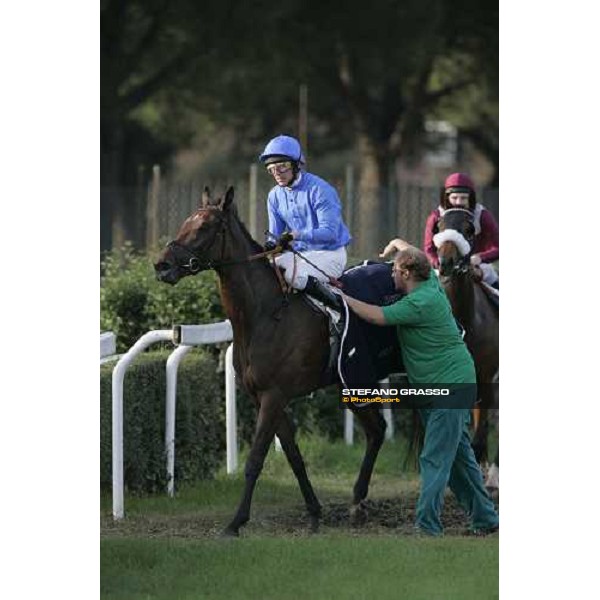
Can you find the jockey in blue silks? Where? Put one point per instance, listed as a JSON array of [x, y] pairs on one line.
[[307, 210]]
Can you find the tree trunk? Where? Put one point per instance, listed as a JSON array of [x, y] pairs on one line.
[[116, 196], [111, 154], [371, 205]]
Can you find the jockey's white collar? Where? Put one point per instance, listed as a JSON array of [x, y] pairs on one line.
[[295, 182], [451, 235]]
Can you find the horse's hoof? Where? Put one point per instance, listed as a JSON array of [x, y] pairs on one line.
[[358, 514], [314, 525], [229, 533], [494, 493]]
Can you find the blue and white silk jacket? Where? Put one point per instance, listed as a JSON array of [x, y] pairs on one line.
[[312, 208]]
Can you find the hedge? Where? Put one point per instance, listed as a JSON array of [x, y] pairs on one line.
[[133, 301], [200, 420], [199, 429]]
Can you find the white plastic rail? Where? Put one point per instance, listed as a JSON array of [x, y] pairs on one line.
[[187, 336], [195, 335], [160, 335], [108, 344], [387, 415]]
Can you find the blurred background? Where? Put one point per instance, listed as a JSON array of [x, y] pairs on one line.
[[387, 98]]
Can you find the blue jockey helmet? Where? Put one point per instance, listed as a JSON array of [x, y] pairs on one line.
[[280, 148]]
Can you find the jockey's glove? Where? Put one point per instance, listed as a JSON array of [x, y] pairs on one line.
[[285, 240], [270, 245]]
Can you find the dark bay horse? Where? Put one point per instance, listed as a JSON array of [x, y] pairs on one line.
[[474, 311], [281, 345]]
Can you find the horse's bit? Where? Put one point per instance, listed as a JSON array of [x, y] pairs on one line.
[[195, 263]]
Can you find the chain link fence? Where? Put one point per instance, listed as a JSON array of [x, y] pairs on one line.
[[406, 207]]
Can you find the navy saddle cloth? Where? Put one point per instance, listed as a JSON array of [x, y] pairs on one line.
[[368, 352]]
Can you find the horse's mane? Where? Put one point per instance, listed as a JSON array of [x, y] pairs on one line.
[[253, 243]]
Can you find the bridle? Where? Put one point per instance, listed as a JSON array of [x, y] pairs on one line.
[[196, 264], [463, 265]]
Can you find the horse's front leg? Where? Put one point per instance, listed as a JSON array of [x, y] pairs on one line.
[[374, 426], [286, 435], [269, 415]]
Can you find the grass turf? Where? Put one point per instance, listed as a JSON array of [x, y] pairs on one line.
[[166, 548], [331, 566]]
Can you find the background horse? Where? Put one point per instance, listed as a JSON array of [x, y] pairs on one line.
[[477, 315], [280, 343]]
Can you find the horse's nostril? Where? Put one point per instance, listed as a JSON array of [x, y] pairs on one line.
[[162, 266], [445, 265]]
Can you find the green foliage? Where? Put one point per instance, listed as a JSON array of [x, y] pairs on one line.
[[133, 301], [199, 429]]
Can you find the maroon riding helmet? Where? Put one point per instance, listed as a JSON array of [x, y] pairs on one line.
[[458, 183]]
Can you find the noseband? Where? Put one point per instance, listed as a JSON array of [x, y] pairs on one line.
[[195, 264]]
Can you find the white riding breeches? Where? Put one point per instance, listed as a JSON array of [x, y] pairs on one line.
[[489, 273], [332, 262]]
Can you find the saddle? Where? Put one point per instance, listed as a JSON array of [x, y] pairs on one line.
[[361, 353], [337, 324]]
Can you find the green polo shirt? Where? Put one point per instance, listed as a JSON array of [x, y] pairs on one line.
[[431, 346]]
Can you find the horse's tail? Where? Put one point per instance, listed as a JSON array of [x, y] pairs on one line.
[[416, 437]]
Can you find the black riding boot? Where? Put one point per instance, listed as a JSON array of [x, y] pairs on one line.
[[319, 291]]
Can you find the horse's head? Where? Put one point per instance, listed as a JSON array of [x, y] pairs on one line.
[[200, 242], [454, 240]]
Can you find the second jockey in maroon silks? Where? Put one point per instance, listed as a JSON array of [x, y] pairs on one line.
[[459, 192]]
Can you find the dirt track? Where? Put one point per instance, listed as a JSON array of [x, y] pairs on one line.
[[392, 516]]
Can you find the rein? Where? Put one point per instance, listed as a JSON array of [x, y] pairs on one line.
[[462, 266], [332, 280], [196, 264]]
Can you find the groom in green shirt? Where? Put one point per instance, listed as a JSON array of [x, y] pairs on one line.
[[434, 353]]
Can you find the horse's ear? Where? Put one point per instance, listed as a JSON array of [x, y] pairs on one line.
[[205, 198], [228, 198]]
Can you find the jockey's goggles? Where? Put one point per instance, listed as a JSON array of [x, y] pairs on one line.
[[458, 190], [280, 167]]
